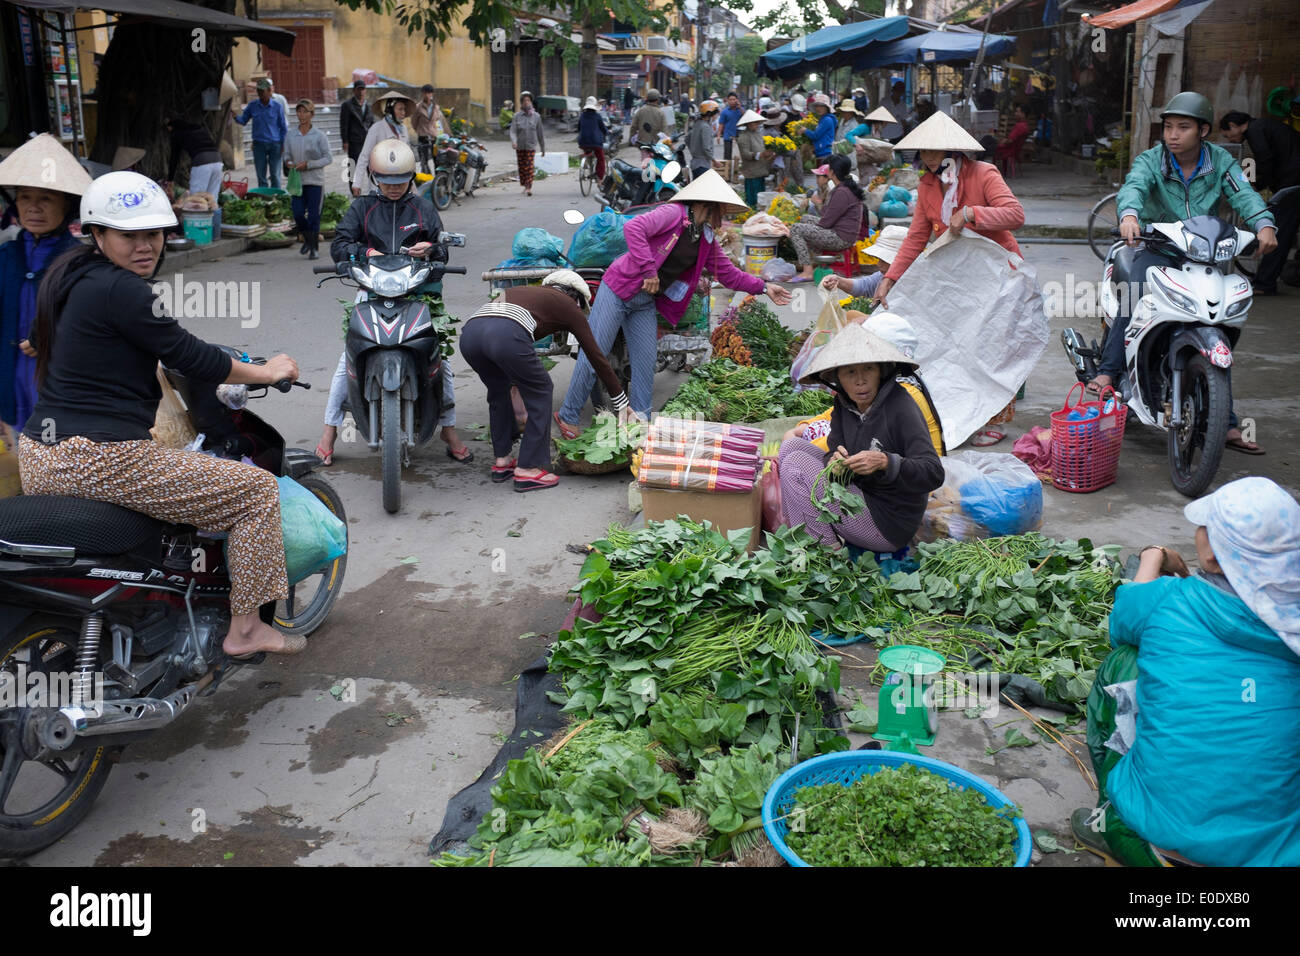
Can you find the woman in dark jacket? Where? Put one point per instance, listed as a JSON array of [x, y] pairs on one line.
[[878, 433], [592, 132], [44, 215]]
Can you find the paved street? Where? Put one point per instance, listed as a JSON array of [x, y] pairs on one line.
[[437, 597]]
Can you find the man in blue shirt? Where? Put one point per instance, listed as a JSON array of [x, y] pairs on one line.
[[269, 130], [728, 117]]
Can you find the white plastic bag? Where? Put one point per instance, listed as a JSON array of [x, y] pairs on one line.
[[778, 270], [764, 225], [984, 494]]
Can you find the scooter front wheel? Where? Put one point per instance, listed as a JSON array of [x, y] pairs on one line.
[[1196, 447], [390, 425], [441, 194]]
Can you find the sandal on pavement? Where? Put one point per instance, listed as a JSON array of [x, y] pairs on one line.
[[465, 457], [1092, 388], [502, 473], [987, 437], [568, 431], [293, 644], [326, 457], [544, 480], [1243, 446]]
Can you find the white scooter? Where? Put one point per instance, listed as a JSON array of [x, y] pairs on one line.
[[1188, 309]]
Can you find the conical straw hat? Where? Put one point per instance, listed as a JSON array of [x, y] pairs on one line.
[[852, 345], [940, 131], [750, 117], [43, 163], [124, 157], [710, 187], [378, 106], [880, 115]]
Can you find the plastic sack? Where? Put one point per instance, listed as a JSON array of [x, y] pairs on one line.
[[892, 209], [537, 246], [829, 321], [172, 427], [773, 516], [875, 150], [875, 197], [778, 270], [313, 536], [898, 194], [904, 176], [293, 184], [1034, 448], [764, 225], [999, 493], [599, 241]]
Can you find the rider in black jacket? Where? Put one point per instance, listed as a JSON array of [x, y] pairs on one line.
[[392, 219]]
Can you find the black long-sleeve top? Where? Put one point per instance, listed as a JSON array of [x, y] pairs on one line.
[[101, 382], [196, 141]]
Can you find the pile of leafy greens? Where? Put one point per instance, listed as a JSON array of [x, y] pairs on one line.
[[722, 391], [605, 440]]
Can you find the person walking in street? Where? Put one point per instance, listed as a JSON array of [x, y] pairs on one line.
[[628, 102], [648, 121], [394, 107], [527, 137], [669, 249], [700, 140], [1276, 149], [44, 215], [205, 159], [497, 342], [728, 119], [840, 222], [755, 158], [308, 151], [279, 98], [355, 119], [429, 123], [592, 133], [99, 336], [269, 130]]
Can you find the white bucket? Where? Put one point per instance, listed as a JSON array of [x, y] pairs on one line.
[[759, 251]]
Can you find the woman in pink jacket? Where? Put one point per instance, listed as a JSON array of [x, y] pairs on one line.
[[956, 193], [668, 250]]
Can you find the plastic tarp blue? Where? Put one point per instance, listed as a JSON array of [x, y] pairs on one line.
[[677, 66], [936, 47], [829, 43]]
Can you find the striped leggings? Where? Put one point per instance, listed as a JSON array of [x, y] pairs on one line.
[[181, 487], [637, 318], [806, 236], [799, 464]]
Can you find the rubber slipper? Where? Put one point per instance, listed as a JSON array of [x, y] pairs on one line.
[[464, 459], [326, 458], [502, 473], [1092, 388], [986, 438], [566, 430], [1243, 446], [293, 644], [544, 480]]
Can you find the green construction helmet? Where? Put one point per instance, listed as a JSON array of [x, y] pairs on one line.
[[1195, 105]]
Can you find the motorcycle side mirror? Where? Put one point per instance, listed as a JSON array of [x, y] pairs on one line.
[[574, 217], [451, 239], [671, 171]]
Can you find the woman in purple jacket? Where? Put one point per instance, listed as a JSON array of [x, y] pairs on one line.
[[668, 249]]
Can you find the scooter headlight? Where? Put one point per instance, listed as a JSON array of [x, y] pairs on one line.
[[1183, 302], [391, 284], [1198, 247], [1225, 250], [1237, 308]]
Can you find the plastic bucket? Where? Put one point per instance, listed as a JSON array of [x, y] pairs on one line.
[[759, 250], [198, 226]]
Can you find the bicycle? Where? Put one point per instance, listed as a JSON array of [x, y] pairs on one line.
[[1103, 219], [587, 172]]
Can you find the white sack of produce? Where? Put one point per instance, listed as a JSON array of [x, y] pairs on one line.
[[984, 494], [875, 150], [765, 225], [980, 327]]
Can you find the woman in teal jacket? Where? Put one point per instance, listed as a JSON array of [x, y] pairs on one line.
[[1209, 768]]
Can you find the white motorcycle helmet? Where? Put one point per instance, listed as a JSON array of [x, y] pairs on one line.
[[568, 279], [392, 162], [127, 201]]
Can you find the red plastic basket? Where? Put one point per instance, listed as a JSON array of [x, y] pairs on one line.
[[1085, 452], [237, 186]]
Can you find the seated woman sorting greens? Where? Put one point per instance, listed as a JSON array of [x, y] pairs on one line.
[[878, 434]]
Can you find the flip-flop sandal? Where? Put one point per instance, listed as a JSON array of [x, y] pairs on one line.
[[326, 458], [987, 437], [464, 459], [565, 430], [544, 480], [293, 644], [1243, 446], [502, 473]]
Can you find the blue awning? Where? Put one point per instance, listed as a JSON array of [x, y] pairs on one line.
[[677, 66], [937, 47], [830, 44]]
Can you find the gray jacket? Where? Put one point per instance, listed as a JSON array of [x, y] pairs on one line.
[[700, 143], [314, 148], [526, 132]]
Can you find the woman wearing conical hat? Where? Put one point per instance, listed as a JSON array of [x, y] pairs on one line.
[[46, 182]]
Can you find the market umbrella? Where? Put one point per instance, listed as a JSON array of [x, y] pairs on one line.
[[829, 45]]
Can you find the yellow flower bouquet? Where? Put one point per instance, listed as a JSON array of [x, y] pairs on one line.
[[781, 145]]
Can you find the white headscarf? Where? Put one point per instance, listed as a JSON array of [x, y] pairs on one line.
[[949, 170], [1254, 530]]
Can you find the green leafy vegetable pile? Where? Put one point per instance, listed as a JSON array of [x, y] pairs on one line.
[[333, 206], [604, 441], [443, 321], [722, 391], [836, 479], [769, 342], [242, 212], [903, 816]]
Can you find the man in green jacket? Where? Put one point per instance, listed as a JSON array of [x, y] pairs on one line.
[[1182, 177]]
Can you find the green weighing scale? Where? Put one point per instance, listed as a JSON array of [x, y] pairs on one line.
[[907, 715]]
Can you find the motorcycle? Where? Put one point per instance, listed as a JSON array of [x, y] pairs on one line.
[[458, 168], [111, 624], [394, 351], [1179, 340], [628, 185]]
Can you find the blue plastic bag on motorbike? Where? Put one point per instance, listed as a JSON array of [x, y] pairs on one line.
[[600, 241], [313, 535], [537, 247]]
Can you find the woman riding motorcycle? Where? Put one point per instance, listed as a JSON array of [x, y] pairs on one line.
[[98, 338], [393, 220]]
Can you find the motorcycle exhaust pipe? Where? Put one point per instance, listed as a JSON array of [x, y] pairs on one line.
[[61, 729]]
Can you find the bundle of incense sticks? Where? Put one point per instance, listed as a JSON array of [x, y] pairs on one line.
[[700, 456], [741, 437]]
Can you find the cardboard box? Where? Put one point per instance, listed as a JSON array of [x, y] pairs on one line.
[[726, 511]]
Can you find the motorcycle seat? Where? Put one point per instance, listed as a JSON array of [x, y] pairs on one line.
[[90, 527], [625, 167]]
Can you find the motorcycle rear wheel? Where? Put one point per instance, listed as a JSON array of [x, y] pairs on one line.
[[391, 428], [441, 193], [321, 590], [1205, 427], [49, 646]]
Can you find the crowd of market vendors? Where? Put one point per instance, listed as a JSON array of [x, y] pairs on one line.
[[81, 340]]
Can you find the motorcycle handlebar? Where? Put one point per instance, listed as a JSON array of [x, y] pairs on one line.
[[324, 270]]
